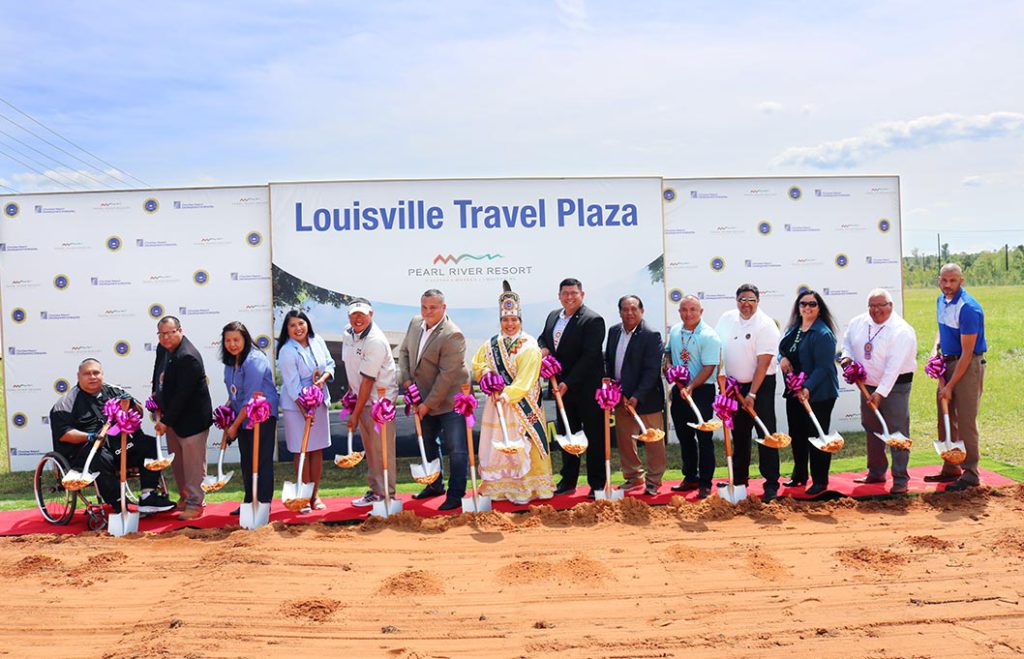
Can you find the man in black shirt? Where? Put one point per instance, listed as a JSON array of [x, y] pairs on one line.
[[75, 420]]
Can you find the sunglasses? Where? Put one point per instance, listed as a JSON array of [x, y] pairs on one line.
[[746, 299], [809, 303]]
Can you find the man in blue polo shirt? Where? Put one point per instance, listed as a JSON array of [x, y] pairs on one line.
[[694, 344], [961, 342]]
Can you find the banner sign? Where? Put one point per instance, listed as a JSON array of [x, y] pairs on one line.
[[839, 236], [89, 274]]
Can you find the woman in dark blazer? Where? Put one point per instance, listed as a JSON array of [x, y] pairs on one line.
[[809, 346]]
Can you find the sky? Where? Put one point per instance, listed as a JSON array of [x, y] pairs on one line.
[[238, 93]]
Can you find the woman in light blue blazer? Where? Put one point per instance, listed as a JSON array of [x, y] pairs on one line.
[[304, 360]]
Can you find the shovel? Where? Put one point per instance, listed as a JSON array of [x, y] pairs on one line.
[[350, 459], [426, 472], [507, 446], [646, 434], [76, 480], [608, 493], [732, 493], [476, 503], [256, 514], [388, 506], [896, 440], [214, 483], [161, 461], [951, 452], [828, 443], [704, 426], [296, 496], [573, 443], [124, 522], [771, 439]]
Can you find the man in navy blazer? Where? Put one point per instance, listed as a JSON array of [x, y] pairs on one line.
[[574, 334], [633, 357]]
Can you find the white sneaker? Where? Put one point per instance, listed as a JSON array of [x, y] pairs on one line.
[[367, 500]]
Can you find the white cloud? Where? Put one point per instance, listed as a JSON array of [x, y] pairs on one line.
[[904, 135], [808, 108], [57, 180], [768, 107], [993, 178], [573, 14]]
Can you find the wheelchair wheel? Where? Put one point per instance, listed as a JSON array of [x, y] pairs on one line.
[[55, 503], [96, 517]]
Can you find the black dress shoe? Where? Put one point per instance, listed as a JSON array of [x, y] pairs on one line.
[[237, 511], [703, 492], [450, 504], [769, 496], [686, 486], [564, 488], [959, 486], [940, 478], [814, 489], [868, 479], [429, 492], [795, 483], [591, 495]]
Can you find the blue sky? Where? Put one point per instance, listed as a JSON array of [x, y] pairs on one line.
[[204, 93]]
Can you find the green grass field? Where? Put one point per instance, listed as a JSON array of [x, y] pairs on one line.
[[1002, 414]]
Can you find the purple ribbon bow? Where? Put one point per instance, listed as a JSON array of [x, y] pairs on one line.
[[725, 407], [935, 368], [795, 381], [348, 403], [464, 404], [383, 411], [412, 398], [492, 384], [257, 410], [550, 367], [608, 396], [152, 405], [732, 388], [678, 375], [127, 421], [310, 398], [223, 417], [854, 372], [111, 408]]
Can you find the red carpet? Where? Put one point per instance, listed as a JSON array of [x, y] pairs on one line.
[[24, 522]]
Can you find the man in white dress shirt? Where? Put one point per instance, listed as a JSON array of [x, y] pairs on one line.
[[750, 341], [886, 345]]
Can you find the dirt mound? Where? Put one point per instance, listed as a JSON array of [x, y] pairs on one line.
[[317, 609], [687, 554], [35, 564], [765, 566], [1011, 542], [577, 568], [411, 583], [927, 542], [870, 558]]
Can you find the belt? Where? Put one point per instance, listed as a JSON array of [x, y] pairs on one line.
[[904, 378], [953, 358]]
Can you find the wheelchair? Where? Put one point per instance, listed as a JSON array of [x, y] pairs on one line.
[[58, 504]]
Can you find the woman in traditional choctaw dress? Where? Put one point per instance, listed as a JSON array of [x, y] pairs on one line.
[[514, 356]]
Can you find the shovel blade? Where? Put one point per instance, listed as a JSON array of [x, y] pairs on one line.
[[821, 442], [253, 516], [574, 444], [608, 495], [733, 493], [212, 483], [482, 504], [296, 495], [122, 524], [428, 474], [76, 480], [158, 465], [382, 509], [348, 460]]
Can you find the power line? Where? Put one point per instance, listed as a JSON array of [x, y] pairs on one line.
[[83, 150], [7, 187], [62, 164], [56, 172], [23, 164]]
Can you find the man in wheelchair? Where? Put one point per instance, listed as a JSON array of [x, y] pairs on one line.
[[75, 420]]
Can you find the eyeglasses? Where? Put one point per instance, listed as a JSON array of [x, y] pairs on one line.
[[879, 306], [168, 333], [746, 299], [809, 303]]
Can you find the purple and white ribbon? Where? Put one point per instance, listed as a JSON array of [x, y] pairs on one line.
[[257, 410], [223, 417], [492, 384], [412, 398], [382, 411], [550, 367], [609, 395], [465, 404]]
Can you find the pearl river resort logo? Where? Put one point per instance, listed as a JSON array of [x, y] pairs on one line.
[[449, 258], [61, 282], [669, 194], [717, 264], [151, 205], [254, 238], [122, 348], [114, 243], [764, 228], [795, 193], [11, 209], [884, 225]]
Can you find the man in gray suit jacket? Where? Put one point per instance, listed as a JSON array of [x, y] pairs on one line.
[[433, 356]]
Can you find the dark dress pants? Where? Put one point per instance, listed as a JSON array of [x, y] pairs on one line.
[[268, 438], [583, 411], [108, 463], [800, 429], [697, 446], [450, 429], [742, 435]]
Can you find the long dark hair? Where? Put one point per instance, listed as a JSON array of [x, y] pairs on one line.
[[823, 313], [227, 357], [282, 338]]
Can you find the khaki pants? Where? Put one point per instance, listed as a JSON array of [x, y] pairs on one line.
[[632, 469], [189, 465], [963, 418], [374, 457]]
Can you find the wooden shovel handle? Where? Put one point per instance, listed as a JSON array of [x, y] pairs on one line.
[[255, 444], [867, 396], [556, 392], [469, 431], [945, 406], [381, 391]]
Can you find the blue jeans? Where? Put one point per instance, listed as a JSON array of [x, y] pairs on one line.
[[450, 429]]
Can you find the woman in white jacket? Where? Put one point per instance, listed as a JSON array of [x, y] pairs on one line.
[[304, 360]]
